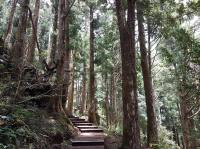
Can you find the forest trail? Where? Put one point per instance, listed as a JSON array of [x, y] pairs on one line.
[[90, 136]]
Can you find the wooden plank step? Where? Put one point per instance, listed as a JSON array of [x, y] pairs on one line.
[[87, 147], [87, 127], [87, 142], [69, 116], [79, 122], [92, 135], [83, 124], [77, 119], [92, 130]]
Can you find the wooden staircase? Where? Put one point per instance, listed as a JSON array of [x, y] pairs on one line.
[[90, 137]]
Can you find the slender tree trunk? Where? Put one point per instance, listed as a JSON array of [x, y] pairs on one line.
[[83, 98], [185, 122], [184, 102], [70, 96], [112, 100], [19, 45], [67, 57], [107, 101], [8, 35], [54, 33], [149, 46], [92, 109], [152, 130], [131, 130], [77, 94], [32, 42]]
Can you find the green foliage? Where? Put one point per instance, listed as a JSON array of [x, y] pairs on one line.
[[7, 135], [23, 114], [3, 15], [28, 126], [166, 139]]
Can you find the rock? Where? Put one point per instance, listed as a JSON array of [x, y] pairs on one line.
[[57, 138], [2, 122]]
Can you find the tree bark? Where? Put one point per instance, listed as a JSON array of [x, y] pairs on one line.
[[131, 130], [67, 58], [54, 34], [70, 96], [107, 101], [112, 101], [152, 130], [92, 109], [185, 122], [32, 42], [7, 37], [83, 98], [61, 55], [184, 103], [19, 45]]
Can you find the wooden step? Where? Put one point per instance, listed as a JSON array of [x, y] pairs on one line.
[[75, 122], [92, 130], [86, 127], [83, 124], [87, 142], [77, 119], [71, 116], [87, 147], [92, 134]]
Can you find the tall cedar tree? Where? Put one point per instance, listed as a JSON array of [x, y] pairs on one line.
[[131, 130], [92, 109], [60, 56], [152, 130]]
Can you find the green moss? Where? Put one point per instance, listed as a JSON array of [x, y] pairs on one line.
[[33, 126], [23, 113], [2, 66]]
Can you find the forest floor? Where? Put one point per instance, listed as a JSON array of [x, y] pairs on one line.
[[24, 128], [33, 128]]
